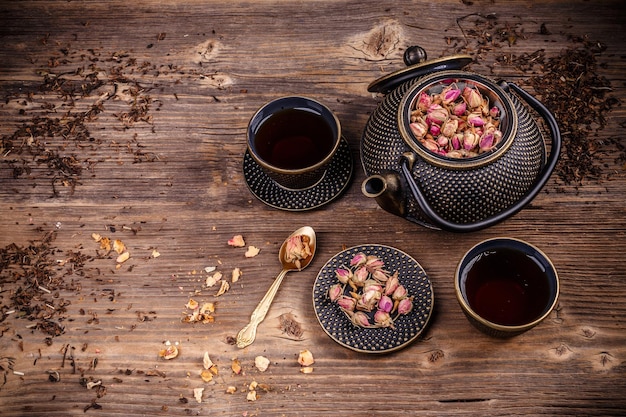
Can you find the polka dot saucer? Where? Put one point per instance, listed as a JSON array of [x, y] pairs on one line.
[[383, 339], [332, 185]]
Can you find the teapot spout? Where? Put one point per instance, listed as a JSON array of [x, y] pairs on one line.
[[388, 192]]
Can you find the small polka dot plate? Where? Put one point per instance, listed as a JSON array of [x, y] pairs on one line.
[[406, 328], [332, 185]]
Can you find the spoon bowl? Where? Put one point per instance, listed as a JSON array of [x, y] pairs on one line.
[[296, 253]]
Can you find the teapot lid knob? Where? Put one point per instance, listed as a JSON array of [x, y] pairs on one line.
[[414, 55]]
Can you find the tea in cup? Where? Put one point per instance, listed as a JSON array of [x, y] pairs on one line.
[[293, 139], [506, 286]]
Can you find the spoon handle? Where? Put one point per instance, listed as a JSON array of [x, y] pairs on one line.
[[248, 333]]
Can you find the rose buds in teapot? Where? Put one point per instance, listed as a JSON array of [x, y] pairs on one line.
[[456, 123]]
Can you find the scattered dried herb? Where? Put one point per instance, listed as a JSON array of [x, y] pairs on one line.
[[569, 84]]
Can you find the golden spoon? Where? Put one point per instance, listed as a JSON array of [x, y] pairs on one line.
[[289, 262]]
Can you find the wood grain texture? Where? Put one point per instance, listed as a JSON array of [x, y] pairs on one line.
[[172, 180]]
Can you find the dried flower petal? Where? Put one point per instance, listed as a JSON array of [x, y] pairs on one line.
[[306, 369], [197, 394], [122, 258], [231, 389], [236, 366], [235, 275], [118, 246], [225, 286], [305, 358], [252, 252], [261, 363], [206, 375], [251, 396], [237, 241], [170, 352]]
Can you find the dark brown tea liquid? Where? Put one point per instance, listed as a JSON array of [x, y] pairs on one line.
[[508, 287], [294, 139]]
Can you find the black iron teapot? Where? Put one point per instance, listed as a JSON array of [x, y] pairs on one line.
[[456, 188]]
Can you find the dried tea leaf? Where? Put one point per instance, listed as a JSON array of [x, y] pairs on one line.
[[237, 241], [290, 326], [305, 358], [252, 251], [261, 363]]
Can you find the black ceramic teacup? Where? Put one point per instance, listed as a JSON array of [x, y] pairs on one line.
[[293, 139], [506, 286]]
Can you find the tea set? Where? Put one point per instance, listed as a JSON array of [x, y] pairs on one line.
[[413, 170]]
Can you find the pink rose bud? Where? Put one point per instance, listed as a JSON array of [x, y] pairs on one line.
[[360, 319], [343, 275], [442, 141], [434, 130], [424, 101], [470, 140], [450, 94], [405, 306], [358, 259], [385, 304], [486, 141], [360, 276], [472, 97], [436, 114], [449, 127], [335, 291], [392, 284], [475, 119], [459, 109], [494, 112], [419, 128], [346, 303], [383, 319], [457, 140], [399, 293]]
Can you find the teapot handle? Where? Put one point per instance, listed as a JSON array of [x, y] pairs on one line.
[[555, 151]]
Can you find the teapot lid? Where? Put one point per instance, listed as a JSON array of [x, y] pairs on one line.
[[390, 81]]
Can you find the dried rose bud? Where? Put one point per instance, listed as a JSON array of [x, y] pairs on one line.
[[434, 130], [346, 303], [360, 276], [470, 140], [431, 145], [399, 293], [450, 127], [475, 119], [419, 128], [405, 306], [385, 304], [392, 284], [486, 141], [343, 275], [437, 114], [372, 285], [368, 300], [472, 97], [450, 94], [456, 141], [442, 141], [380, 275], [358, 259], [335, 291], [360, 319], [424, 101], [494, 112], [459, 109], [383, 319], [373, 263]]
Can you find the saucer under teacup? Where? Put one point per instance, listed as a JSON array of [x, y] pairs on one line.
[[334, 182]]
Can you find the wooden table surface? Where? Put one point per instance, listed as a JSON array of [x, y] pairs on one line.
[[128, 120]]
